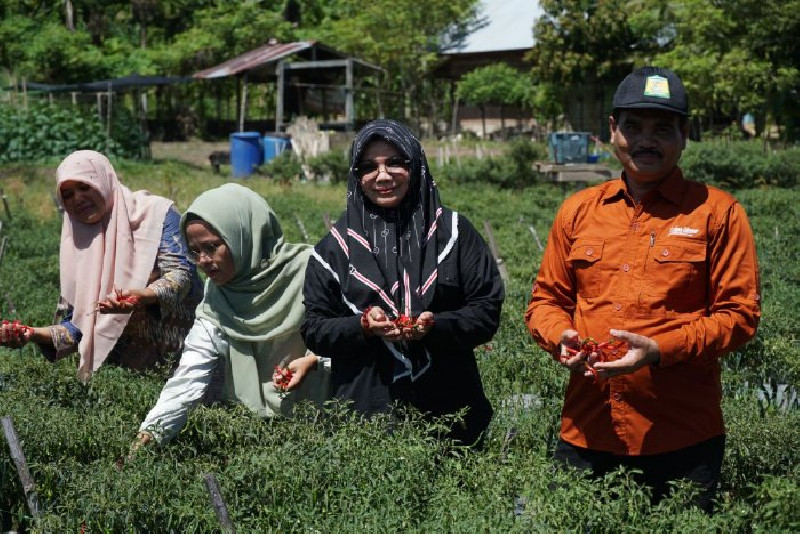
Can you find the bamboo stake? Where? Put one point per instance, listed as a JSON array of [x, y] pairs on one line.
[[218, 503], [501, 265], [536, 237], [3, 247], [302, 227], [510, 435], [28, 487], [5, 204]]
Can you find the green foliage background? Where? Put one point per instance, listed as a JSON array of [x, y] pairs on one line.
[[331, 473], [49, 131]]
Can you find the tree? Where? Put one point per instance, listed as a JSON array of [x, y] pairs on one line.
[[588, 44], [402, 36], [735, 57], [494, 84]]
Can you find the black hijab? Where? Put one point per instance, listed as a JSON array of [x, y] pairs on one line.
[[393, 253]]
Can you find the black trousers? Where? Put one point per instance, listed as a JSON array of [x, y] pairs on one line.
[[700, 464]]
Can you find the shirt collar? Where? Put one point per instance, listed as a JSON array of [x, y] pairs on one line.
[[614, 189], [672, 188]]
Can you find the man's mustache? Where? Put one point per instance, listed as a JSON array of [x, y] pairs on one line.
[[647, 152]]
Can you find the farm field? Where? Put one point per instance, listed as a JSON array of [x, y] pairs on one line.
[[328, 472]]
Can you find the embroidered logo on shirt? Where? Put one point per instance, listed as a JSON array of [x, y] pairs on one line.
[[687, 232], [656, 86]]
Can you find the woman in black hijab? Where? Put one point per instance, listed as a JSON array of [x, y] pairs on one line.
[[397, 253]]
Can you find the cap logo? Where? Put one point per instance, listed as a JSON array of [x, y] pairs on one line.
[[656, 86]]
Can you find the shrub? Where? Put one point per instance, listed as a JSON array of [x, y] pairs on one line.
[[332, 164], [740, 165], [44, 132], [283, 168], [512, 170]]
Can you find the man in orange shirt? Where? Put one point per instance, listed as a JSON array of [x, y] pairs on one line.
[[669, 267]]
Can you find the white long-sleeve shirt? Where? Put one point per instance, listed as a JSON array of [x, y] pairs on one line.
[[205, 347]]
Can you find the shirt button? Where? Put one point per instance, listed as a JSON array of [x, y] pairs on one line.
[[665, 252], [616, 396], [589, 251], [626, 267], [617, 306]]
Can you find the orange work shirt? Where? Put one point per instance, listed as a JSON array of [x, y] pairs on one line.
[[680, 267]]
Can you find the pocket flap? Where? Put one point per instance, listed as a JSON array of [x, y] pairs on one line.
[[680, 250], [589, 250]]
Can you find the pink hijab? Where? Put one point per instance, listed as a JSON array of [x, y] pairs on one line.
[[118, 252]]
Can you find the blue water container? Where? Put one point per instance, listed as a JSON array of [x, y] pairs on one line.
[[245, 153], [274, 146], [568, 147]]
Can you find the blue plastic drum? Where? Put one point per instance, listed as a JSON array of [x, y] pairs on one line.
[[245, 153], [273, 146]]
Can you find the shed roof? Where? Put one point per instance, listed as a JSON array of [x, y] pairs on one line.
[[269, 53], [509, 27]]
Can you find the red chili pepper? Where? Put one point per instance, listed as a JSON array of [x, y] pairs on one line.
[[15, 333], [405, 321], [608, 351], [133, 300], [282, 377]]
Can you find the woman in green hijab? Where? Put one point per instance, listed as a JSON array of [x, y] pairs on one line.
[[249, 319]]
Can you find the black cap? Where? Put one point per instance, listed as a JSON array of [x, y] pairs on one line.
[[652, 88]]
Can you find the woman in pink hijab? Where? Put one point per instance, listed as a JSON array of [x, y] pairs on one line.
[[128, 291]]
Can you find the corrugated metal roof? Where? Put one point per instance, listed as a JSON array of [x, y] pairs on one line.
[[510, 27], [269, 53]]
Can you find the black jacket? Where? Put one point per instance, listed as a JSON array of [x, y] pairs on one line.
[[466, 307]]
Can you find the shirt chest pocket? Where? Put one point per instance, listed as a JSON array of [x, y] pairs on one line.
[[585, 257], [678, 269]]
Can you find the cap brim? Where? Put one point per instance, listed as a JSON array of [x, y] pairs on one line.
[[652, 105]]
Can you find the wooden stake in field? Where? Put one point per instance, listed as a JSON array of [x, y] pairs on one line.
[[5, 204], [3, 247], [326, 218], [12, 310], [501, 265], [28, 487], [302, 227], [511, 433], [218, 503], [536, 237]]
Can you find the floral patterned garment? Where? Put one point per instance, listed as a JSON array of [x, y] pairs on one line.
[[156, 330]]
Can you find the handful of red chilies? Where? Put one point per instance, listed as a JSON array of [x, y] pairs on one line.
[[608, 351], [281, 378], [14, 334], [407, 323]]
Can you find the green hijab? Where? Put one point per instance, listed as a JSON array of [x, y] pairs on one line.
[[263, 304]]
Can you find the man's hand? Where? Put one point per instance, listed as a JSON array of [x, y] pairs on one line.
[[642, 351], [568, 352]]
